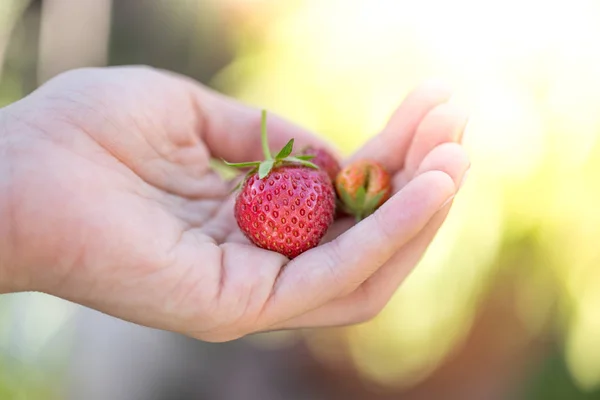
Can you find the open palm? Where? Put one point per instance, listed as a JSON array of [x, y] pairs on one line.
[[117, 207]]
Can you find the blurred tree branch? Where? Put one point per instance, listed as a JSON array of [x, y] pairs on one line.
[[10, 13]]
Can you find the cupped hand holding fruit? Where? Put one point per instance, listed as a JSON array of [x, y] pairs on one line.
[[106, 180]]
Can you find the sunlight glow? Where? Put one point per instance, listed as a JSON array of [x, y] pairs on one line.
[[529, 72]]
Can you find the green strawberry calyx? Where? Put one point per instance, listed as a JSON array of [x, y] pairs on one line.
[[282, 158], [360, 205]]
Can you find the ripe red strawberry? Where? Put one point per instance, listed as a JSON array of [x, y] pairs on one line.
[[363, 186], [324, 160], [286, 204]]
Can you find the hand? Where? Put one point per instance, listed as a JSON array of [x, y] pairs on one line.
[[113, 205]]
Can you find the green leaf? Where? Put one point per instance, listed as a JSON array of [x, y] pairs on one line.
[[239, 185], [373, 201], [226, 172], [286, 151], [241, 182], [309, 164], [371, 204], [305, 157], [263, 136], [264, 168], [242, 164], [347, 200], [301, 161], [361, 195], [293, 159]]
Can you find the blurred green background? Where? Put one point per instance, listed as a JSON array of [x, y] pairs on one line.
[[506, 303]]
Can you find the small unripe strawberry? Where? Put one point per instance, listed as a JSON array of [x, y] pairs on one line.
[[324, 160], [363, 186], [286, 204]]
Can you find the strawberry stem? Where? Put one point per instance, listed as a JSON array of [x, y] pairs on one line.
[[263, 135], [284, 156]]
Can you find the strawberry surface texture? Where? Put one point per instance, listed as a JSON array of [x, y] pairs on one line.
[[288, 211]]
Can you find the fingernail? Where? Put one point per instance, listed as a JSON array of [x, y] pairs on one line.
[[462, 182], [447, 202], [464, 178], [461, 132]]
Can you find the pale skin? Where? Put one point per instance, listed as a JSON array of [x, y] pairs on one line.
[[107, 199]]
